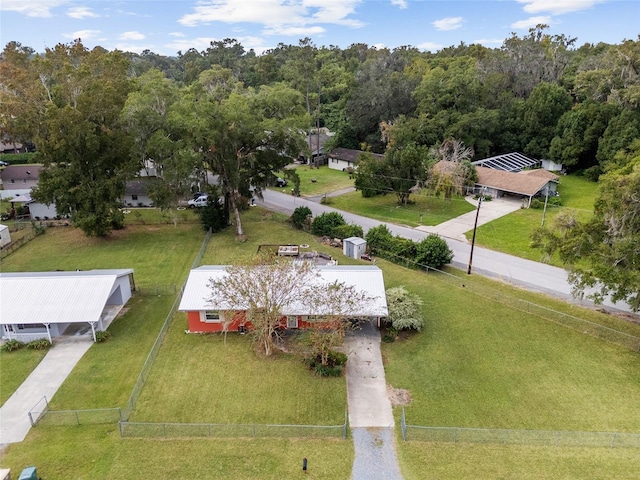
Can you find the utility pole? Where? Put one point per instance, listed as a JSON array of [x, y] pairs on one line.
[[475, 226], [546, 200]]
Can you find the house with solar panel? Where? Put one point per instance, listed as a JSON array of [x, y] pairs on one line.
[[515, 175]]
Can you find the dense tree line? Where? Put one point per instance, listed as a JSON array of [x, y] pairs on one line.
[[95, 116]]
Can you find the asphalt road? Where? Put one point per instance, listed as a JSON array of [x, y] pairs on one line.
[[531, 275]]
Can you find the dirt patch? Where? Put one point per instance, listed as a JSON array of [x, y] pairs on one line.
[[399, 397]]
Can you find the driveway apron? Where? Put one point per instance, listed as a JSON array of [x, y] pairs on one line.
[[370, 413]]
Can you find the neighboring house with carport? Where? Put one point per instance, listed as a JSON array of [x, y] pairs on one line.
[[204, 316], [36, 305], [20, 177], [525, 184], [37, 210], [316, 141], [346, 159]]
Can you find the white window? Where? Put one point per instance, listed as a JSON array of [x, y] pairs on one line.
[[211, 316], [292, 321]]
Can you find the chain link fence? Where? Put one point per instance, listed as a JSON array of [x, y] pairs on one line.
[[213, 430], [41, 414], [518, 437]]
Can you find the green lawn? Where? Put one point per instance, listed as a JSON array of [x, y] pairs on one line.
[[446, 461], [512, 233], [198, 379], [15, 368], [481, 364], [426, 210], [326, 180]]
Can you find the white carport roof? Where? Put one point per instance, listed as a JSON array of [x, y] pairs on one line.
[[56, 297], [364, 278]]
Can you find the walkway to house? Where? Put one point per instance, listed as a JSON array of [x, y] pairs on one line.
[[370, 414], [44, 381]]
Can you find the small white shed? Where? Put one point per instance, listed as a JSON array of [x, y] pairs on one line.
[[354, 247], [5, 236]]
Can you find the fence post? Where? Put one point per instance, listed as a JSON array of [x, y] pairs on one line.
[[77, 418], [31, 419], [120, 428], [613, 440], [403, 426]]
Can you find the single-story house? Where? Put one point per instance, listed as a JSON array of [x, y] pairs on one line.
[[7, 146], [204, 316], [346, 158], [526, 183], [16, 177], [5, 236], [36, 305], [316, 141], [136, 193], [37, 210]]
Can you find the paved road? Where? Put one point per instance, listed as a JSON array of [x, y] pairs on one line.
[[534, 276]]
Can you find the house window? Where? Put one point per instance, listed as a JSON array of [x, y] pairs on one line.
[[314, 318], [30, 326], [212, 316], [13, 180], [292, 321], [134, 197]]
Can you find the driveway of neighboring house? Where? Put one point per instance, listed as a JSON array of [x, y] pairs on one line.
[[370, 415], [44, 381]]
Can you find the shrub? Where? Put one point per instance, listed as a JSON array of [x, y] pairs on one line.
[[433, 252], [535, 203], [12, 345], [102, 336], [299, 216], [324, 225], [40, 344], [390, 335], [334, 368], [554, 202], [403, 247], [404, 310], [379, 239], [346, 231], [213, 216]]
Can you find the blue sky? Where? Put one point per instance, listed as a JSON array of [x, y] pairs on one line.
[[169, 26]]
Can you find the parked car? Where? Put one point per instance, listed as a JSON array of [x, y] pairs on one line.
[[281, 182], [3, 163], [201, 201]]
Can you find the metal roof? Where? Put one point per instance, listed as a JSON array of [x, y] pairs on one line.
[[509, 162], [364, 278], [55, 297]]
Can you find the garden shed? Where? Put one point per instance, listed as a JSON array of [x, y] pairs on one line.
[[5, 236], [36, 305], [354, 247], [204, 316]]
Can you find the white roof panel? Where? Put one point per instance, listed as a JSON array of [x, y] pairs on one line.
[[364, 278], [55, 297]]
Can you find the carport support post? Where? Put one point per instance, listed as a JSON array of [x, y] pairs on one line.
[[93, 330], [475, 226], [48, 332]]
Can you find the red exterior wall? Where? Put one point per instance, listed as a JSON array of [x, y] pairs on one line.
[[197, 326]]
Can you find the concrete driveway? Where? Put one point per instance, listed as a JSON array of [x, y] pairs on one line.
[[457, 227]]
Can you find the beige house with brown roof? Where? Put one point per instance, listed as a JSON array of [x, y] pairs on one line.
[[525, 184]]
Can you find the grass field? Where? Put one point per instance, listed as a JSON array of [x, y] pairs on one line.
[[426, 210], [477, 364], [16, 366], [316, 181]]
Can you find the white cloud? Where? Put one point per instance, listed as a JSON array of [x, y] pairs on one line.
[[557, 7], [81, 12], [400, 3], [429, 46], [489, 41], [449, 23], [82, 34], [294, 31], [31, 8], [177, 34], [531, 22], [131, 36], [279, 17]]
